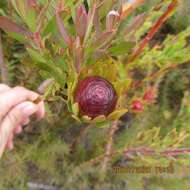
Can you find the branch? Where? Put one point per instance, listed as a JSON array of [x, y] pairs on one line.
[[76, 141], [32, 185], [153, 31], [108, 152], [167, 153], [3, 68], [127, 8], [42, 16], [154, 75], [128, 152], [62, 30]]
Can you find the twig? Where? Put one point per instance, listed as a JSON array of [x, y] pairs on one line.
[[3, 68], [127, 8], [167, 153], [128, 152], [76, 141], [176, 152], [36, 186], [153, 31], [108, 152], [42, 16], [155, 74]]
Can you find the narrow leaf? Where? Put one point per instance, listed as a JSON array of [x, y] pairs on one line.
[[67, 38], [9, 26], [121, 48], [91, 14]]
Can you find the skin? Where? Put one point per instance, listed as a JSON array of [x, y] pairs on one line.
[[16, 107]]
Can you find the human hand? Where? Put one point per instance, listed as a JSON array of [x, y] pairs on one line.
[[16, 106]]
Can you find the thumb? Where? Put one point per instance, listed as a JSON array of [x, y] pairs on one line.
[[13, 119]]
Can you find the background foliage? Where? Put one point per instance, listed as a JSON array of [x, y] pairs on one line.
[[42, 153]]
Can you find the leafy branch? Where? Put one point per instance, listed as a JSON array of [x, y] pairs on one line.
[[3, 68], [153, 30]]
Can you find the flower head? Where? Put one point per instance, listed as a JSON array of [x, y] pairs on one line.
[[149, 95], [137, 105], [95, 96]]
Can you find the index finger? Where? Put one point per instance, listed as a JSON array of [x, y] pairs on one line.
[[14, 96]]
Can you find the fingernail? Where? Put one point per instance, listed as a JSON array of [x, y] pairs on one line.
[[28, 108]]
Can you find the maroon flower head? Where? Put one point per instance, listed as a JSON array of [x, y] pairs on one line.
[[96, 96]]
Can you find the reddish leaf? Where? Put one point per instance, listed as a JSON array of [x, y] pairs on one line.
[[111, 20], [78, 54], [65, 35], [103, 38], [96, 22], [32, 3], [135, 24], [9, 26], [81, 21], [90, 22]]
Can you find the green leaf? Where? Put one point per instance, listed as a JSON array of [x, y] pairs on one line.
[[87, 119], [117, 114], [17, 37], [19, 6], [99, 119], [75, 108], [76, 118], [62, 64], [31, 19], [9, 26], [69, 106], [90, 23], [36, 55], [121, 48], [104, 124], [45, 63], [51, 28], [105, 8]]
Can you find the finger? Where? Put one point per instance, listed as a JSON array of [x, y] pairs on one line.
[[41, 110], [9, 144], [4, 88], [18, 130], [13, 119], [26, 121], [13, 97]]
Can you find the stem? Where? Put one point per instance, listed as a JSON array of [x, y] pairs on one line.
[[154, 75], [3, 68], [108, 152], [166, 153], [153, 31], [76, 141], [128, 7], [131, 151], [62, 30], [35, 185], [91, 15], [42, 16]]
